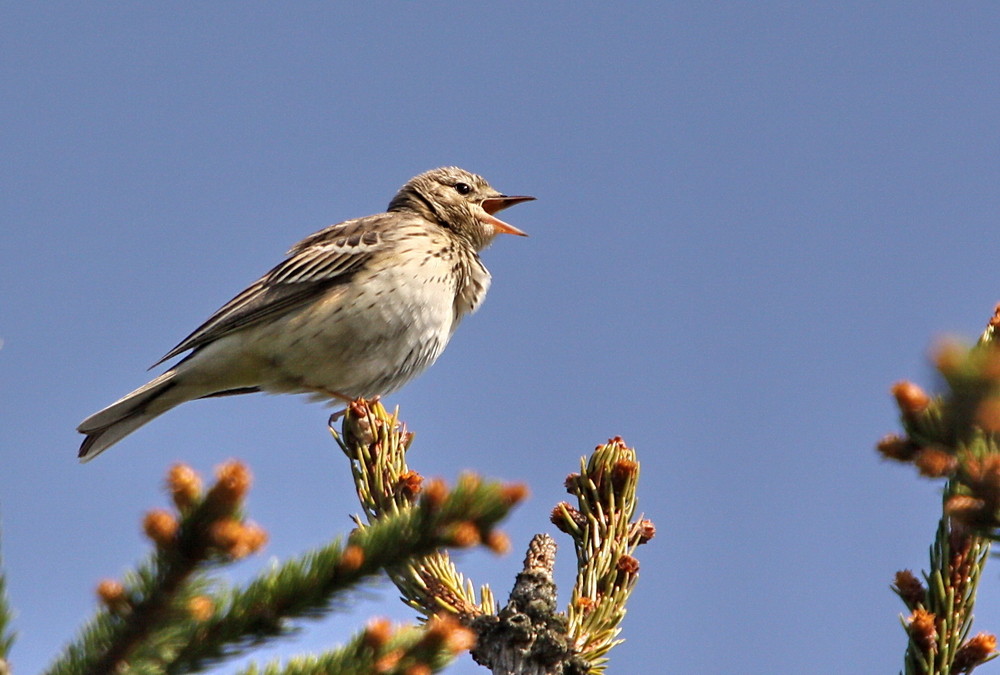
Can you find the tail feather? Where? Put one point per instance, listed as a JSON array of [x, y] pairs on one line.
[[118, 420]]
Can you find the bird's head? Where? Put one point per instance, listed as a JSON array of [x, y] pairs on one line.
[[460, 201]]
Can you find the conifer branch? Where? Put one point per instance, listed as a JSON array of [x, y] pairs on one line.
[[7, 634], [605, 538], [528, 635], [376, 443], [138, 622], [308, 587], [956, 436], [169, 617], [382, 649]]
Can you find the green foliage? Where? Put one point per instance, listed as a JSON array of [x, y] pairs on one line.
[[399, 654], [7, 634], [956, 436], [376, 442], [174, 613], [605, 537], [308, 587]]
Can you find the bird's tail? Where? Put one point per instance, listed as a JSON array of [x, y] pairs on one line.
[[118, 420]]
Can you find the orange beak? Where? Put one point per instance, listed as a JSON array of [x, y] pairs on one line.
[[494, 204]]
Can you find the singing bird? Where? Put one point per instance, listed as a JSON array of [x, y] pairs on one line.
[[354, 310]]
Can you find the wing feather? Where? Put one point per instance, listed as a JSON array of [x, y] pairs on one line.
[[325, 259]]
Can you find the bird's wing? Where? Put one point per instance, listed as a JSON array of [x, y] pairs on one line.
[[325, 259]]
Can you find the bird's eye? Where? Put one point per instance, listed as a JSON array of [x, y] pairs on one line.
[[463, 188]]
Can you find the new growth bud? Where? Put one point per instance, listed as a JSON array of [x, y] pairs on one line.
[[161, 527], [974, 652], [232, 481], [184, 485], [112, 595], [923, 630], [912, 400]]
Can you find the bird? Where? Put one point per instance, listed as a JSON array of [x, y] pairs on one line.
[[354, 310]]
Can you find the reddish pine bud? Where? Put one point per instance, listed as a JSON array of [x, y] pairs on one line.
[[445, 630], [984, 477], [644, 530], [627, 564], [909, 588], [435, 493], [253, 539], [988, 415], [935, 463], [112, 594], [351, 559], [184, 485], [377, 633], [387, 663], [974, 652], [232, 481], [968, 511], [514, 493], [235, 539], [897, 448], [949, 356], [923, 630], [911, 399], [201, 608], [409, 485], [464, 535], [161, 527], [225, 534], [567, 518], [623, 471], [498, 542], [573, 480]]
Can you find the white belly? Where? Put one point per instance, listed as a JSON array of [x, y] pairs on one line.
[[362, 339]]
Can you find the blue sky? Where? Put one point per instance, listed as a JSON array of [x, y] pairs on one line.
[[752, 218]]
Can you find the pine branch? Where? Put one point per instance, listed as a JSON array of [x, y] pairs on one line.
[[376, 443], [309, 586], [605, 537], [528, 635], [7, 634], [168, 616], [139, 617], [955, 436], [382, 649]]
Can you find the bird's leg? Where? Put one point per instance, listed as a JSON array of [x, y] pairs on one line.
[[337, 396], [329, 393], [336, 415]]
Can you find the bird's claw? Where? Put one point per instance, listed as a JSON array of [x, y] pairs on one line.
[[335, 417]]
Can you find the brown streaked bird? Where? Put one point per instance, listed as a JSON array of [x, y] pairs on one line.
[[355, 310]]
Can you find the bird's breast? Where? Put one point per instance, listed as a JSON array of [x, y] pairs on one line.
[[368, 336]]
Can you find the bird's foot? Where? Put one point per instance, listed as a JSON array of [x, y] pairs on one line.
[[358, 406]]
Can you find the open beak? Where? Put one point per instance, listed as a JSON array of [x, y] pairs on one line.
[[492, 205]]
